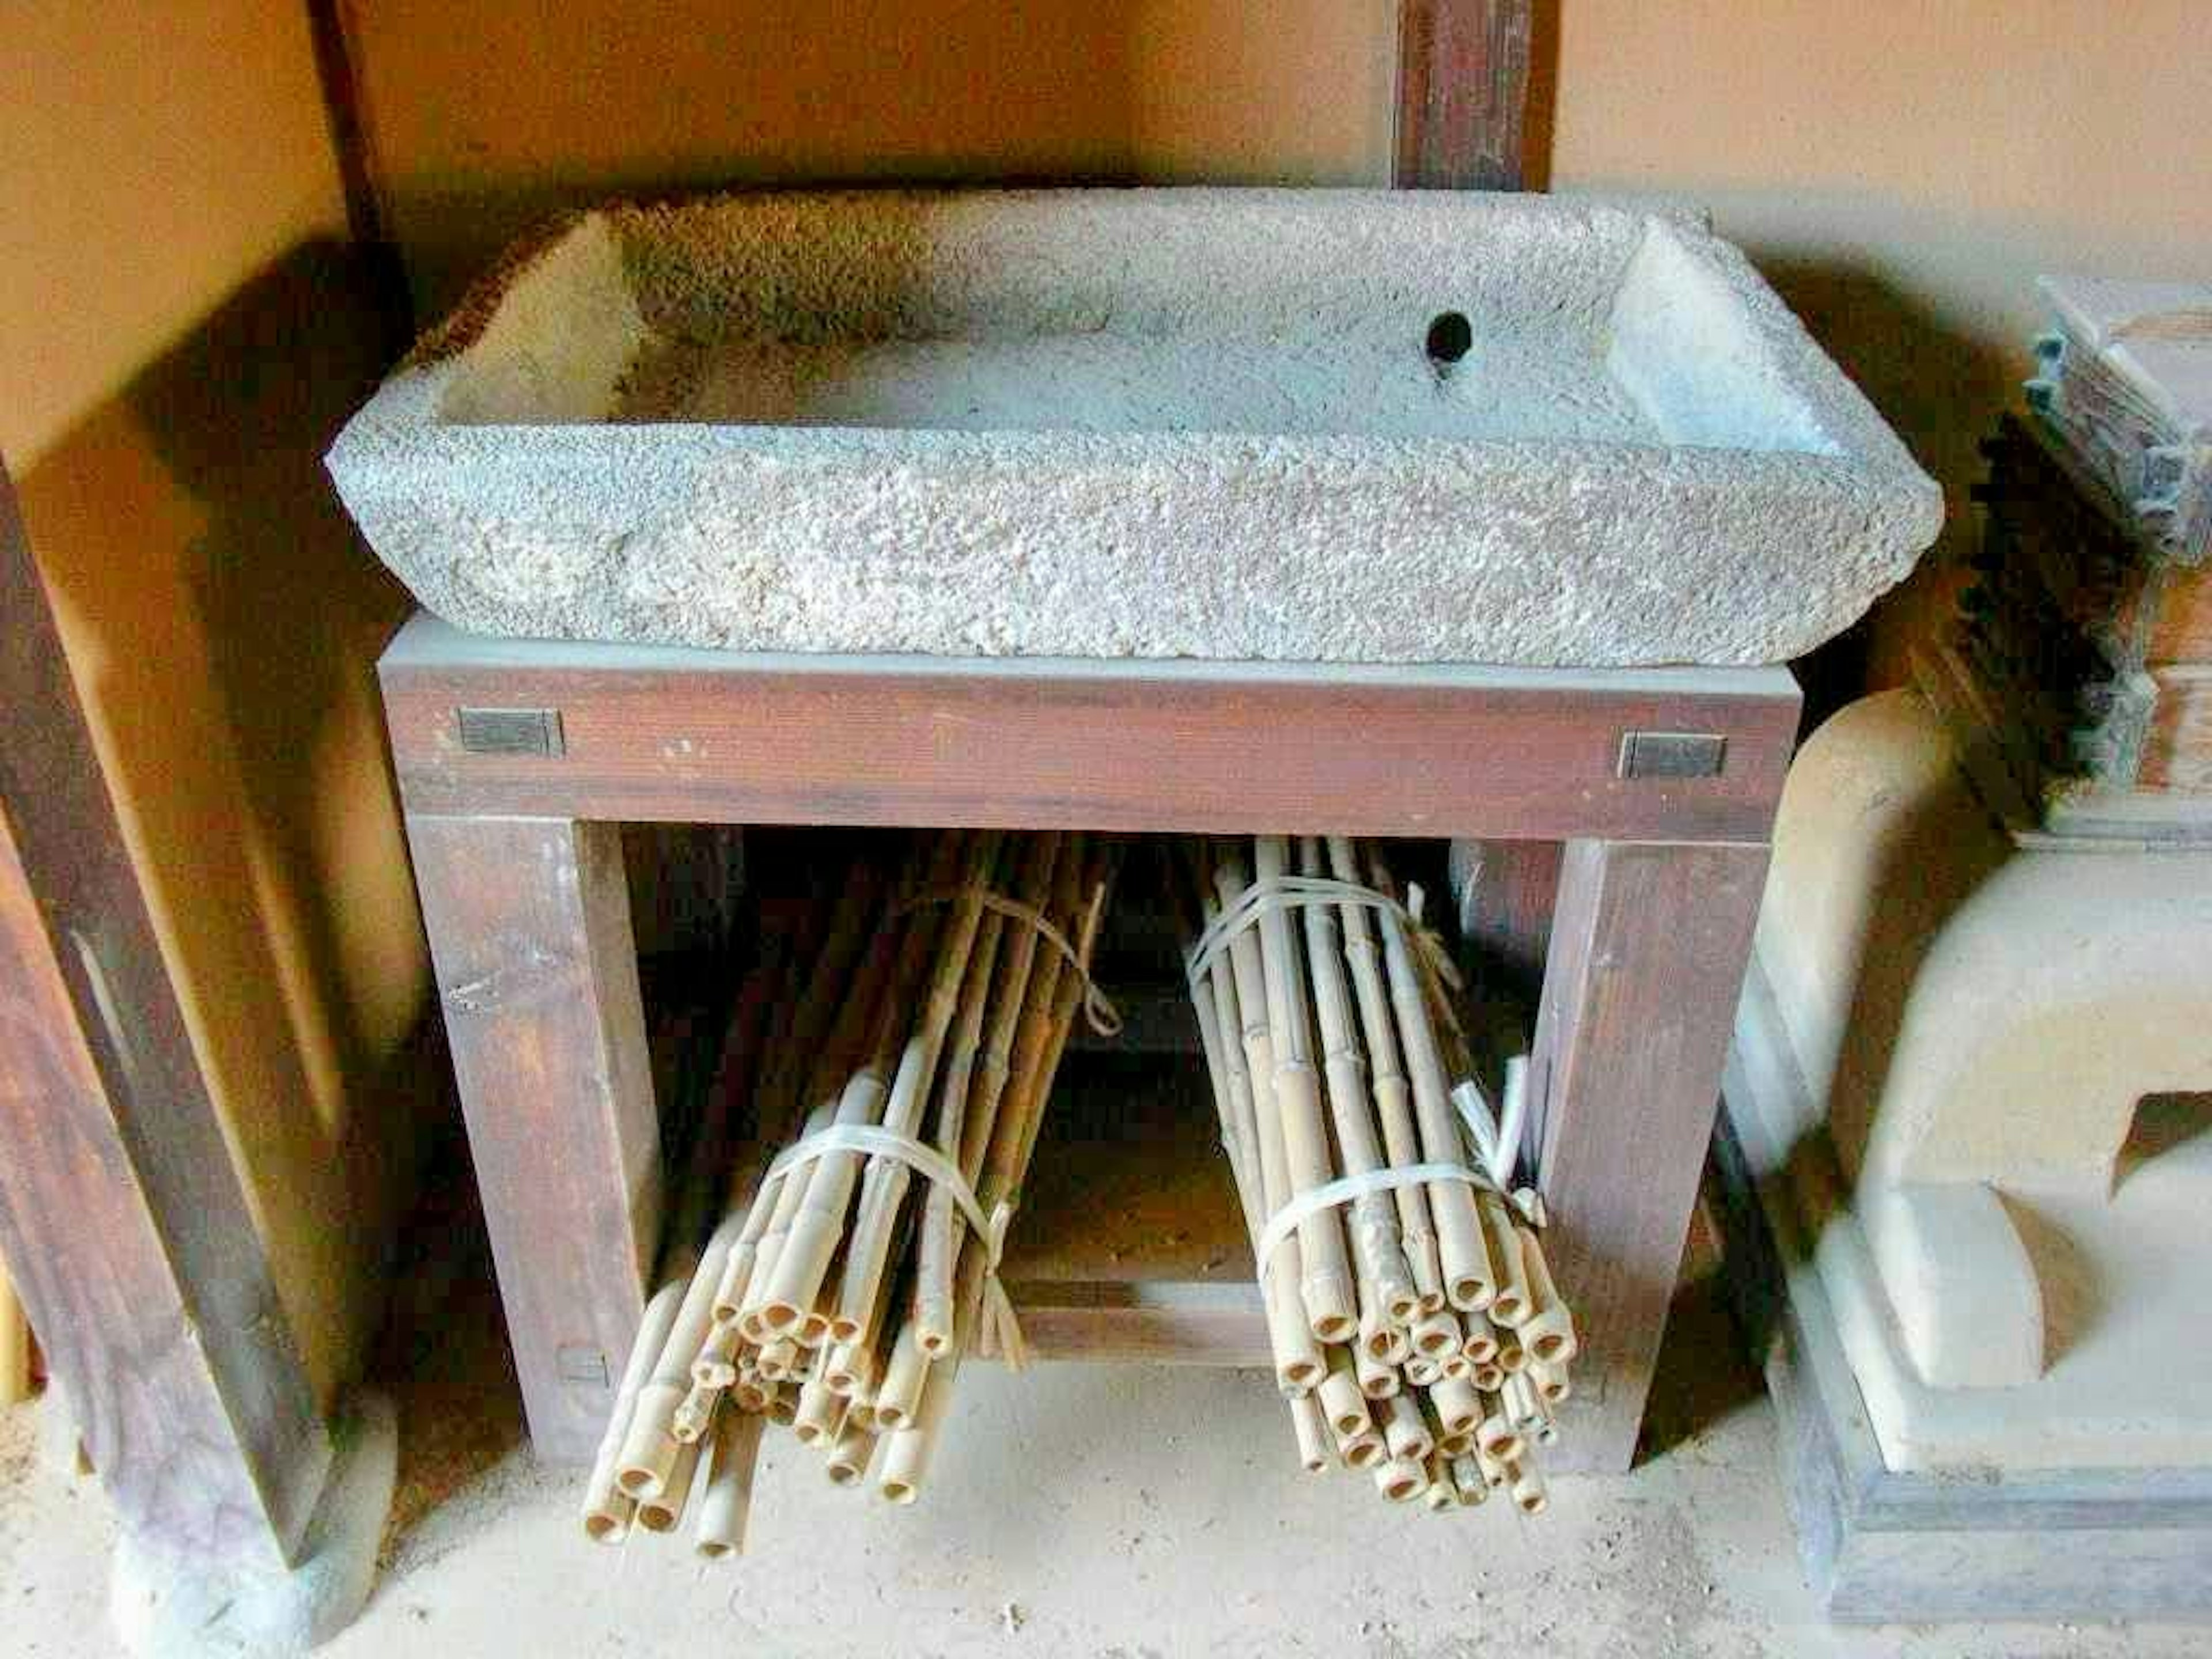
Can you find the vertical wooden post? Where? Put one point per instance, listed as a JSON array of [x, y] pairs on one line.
[[1463, 80], [1648, 949], [122, 1218], [530, 930]]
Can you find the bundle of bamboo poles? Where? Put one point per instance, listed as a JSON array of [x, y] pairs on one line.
[[845, 1282], [1416, 1331]]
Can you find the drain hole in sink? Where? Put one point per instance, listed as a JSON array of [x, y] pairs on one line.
[[1450, 338]]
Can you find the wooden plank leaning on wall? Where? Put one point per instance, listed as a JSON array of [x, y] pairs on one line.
[[1474, 114], [122, 1218]]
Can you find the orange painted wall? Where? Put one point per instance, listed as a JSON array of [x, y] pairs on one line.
[[181, 332], [1903, 171], [479, 129]]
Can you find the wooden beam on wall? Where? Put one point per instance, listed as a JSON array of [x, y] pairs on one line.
[[1466, 70], [122, 1218]]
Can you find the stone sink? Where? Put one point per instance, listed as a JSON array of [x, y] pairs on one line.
[[1308, 425]]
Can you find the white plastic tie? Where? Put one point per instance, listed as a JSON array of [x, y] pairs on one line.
[[1098, 1009]]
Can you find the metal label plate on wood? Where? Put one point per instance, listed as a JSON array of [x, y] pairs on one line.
[[1672, 754], [511, 731]]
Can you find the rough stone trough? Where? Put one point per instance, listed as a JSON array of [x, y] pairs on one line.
[[1304, 425]]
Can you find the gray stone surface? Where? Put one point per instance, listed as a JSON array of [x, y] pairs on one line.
[[1158, 423], [166, 1607]]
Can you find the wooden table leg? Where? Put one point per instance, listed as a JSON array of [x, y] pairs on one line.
[[121, 1217], [530, 930], [1648, 949]]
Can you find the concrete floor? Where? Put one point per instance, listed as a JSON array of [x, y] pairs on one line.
[[1078, 1510]]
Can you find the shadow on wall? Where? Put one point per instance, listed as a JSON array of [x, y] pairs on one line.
[[222, 620], [1941, 389]]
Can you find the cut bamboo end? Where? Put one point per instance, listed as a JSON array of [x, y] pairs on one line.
[[1437, 1494], [726, 1501], [1406, 1431], [1511, 1356], [1400, 1479], [1437, 1334], [848, 1459], [1495, 1437], [1526, 1486], [664, 1511], [1377, 1380], [1362, 1453], [608, 1522], [1343, 1406], [1548, 1334], [651, 1450], [1458, 1404], [1331, 1304], [1552, 1381], [899, 1395], [1456, 1446], [1489, 1377], [1458, 1364], [1481, 1344], [820, 1414], [1422, 1372]]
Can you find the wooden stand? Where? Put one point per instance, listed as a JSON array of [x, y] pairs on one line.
[[518, 763]]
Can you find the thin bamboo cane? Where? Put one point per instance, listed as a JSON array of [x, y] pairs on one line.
[[905, 1374], [1405, 1431], [1325, 1285], [696, 1415], [1438, 1494], [609, 1509], [726, 1501], [1387, 1082], [1378, 1245], [1510, 1305], [663, 1511], [1552, 1381], [1526, 1486], [1548, 1333], [741, 1300], [821, 1413], [1377, 1380], [1469, 1280], [910, 1448], [1495, 1436], [849, 1458], [1400, 1479], [1298, 1365], [1481, 1344], [15, 1347], [933, 1299], [1248, 977], [1342, 1404], [1437, 1334], [649, 1448], [885, 1183], [1022, 1007], [1458, 1404], [817, 1226]]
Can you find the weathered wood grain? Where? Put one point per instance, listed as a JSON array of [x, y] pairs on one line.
[[1504, 891], [529, 932], [1648, 947], [122, 1218], [1463, 87], [1223, 748]]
